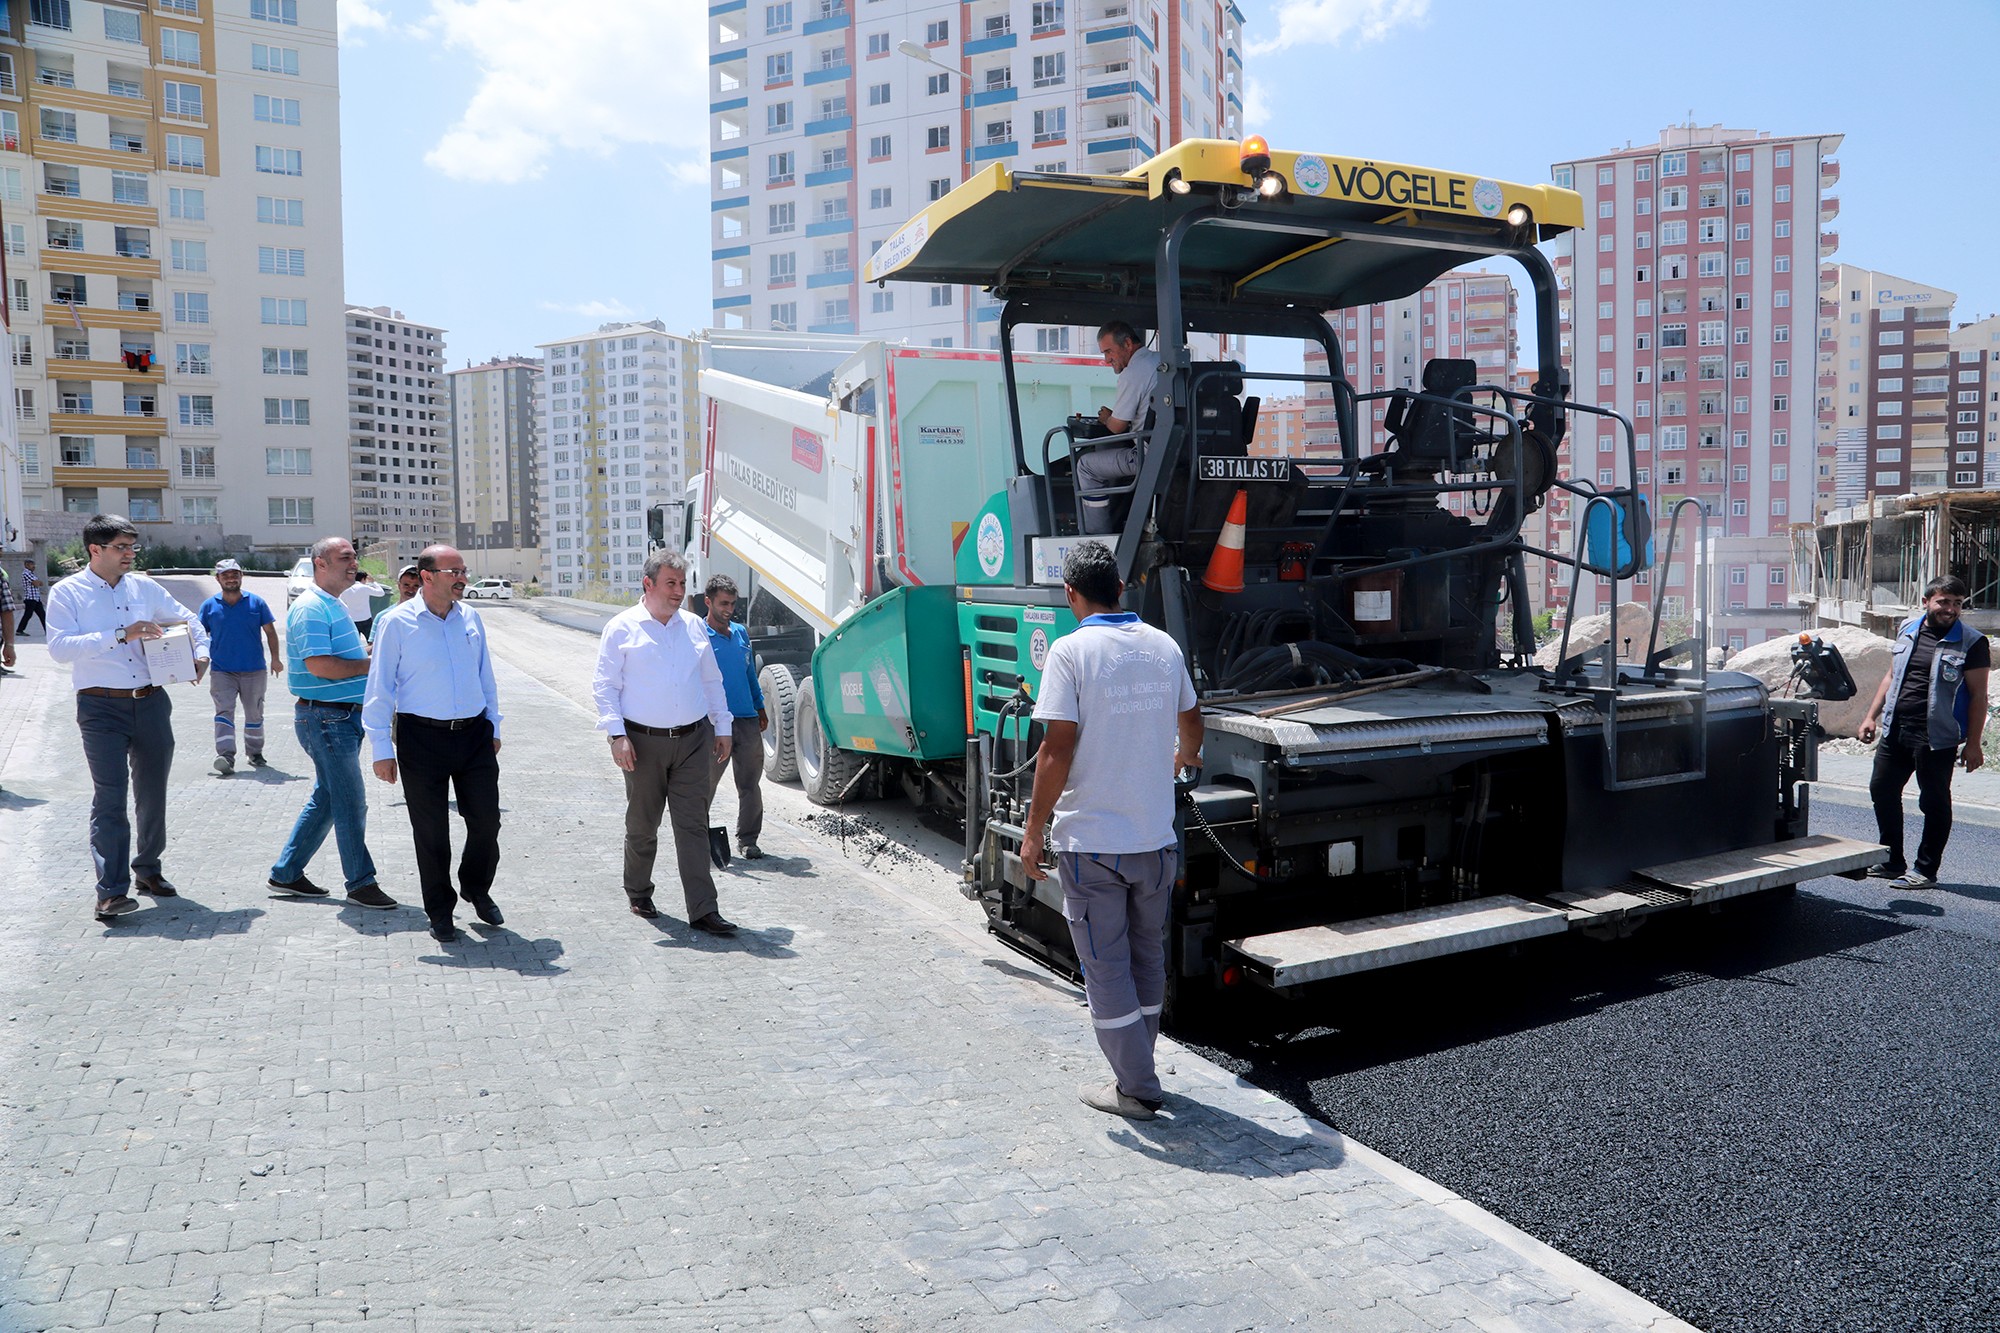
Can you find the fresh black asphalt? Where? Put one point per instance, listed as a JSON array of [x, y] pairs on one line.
[[1781, 1115]]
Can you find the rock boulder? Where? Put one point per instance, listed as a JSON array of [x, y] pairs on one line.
[[1635, 622], [1867, 657]]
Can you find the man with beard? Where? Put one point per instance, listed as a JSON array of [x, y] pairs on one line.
[[233, 619], [1931, 702]]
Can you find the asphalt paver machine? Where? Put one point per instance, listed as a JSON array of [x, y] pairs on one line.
[[1388, 776]]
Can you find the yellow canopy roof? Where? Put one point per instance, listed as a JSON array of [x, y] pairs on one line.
[[1396, 228]]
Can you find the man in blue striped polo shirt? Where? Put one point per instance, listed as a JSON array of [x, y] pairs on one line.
[[327, 669]]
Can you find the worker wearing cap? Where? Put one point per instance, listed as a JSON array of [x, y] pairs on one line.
[[1138, 370], [408, 584], [237, 666], [1119, 718]]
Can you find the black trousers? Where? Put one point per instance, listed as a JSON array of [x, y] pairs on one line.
[[30, 608], [433, 765], [1896, 758]]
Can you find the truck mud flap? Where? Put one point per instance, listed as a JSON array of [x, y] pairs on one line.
[[1314, 953], [1707, 879]]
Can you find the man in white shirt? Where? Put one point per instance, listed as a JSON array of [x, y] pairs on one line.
[[1120, 718], [661, 702], [1138, 368], [99, 620]]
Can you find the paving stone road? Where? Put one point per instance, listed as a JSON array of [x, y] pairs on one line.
[[235, 1112]]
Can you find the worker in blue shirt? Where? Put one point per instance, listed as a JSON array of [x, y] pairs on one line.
[[746, 705], [233, 619]]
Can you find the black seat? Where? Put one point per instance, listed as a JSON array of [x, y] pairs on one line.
[[1429, 436]]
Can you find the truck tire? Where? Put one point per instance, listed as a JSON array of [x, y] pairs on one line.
[[780, 683], [824, 771]]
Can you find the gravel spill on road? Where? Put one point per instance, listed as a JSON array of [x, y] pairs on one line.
[[1783, 1115]]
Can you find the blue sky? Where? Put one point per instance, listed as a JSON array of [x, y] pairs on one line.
[[519, 170]]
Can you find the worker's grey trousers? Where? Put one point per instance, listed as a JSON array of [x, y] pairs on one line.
[[746, 758], [1104, 467], [225, 688], [1116, 904], [670, 774]]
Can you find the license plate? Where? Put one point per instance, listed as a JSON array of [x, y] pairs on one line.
[[1244, 469]]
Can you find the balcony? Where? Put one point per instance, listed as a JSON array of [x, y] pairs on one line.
[[1829, 173], [127, 143], [1829, 208], [1829, 241]]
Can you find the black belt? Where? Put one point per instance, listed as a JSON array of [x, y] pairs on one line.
[[107, 692], [441, 723], [326, 703], [645, 730]]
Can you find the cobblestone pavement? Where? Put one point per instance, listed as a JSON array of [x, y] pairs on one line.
[[236, 1112]]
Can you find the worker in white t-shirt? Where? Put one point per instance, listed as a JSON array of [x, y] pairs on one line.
[[359, 602], [1119, 720], [1138, 368]]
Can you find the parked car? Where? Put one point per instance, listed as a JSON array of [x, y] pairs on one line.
[[300, 579], [500, 588]]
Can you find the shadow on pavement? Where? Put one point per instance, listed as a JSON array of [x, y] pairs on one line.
[[1984, 893], [1199, 1137], [403, 919], [761, 942], [182, 918], [1042, 979], [792, 867], [13, 800], [498, 949]]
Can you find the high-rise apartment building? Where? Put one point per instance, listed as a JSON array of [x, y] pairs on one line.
[[1975, 397], [1690, 300], [170, 183], [1883, 357], [617, 423], [399, 443], [825, 136], [1462, 315], [495, 442]]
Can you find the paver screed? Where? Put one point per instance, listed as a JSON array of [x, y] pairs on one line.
[[237, 1112]]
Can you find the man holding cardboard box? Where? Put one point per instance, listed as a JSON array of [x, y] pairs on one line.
[[110, 625]]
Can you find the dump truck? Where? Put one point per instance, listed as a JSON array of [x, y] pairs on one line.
[[1388, 777]]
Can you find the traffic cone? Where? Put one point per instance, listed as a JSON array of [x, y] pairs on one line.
[[1225, 567]]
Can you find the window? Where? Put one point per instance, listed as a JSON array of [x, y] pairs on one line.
[[939, 188], [76, 450], [190, 307], [282, 261], [882, 301], [287, 412], [181, 101], [778, 117], [878, 44], [1049, 70], [280, 161], [778, 67], [274, 59], [878, 94], [881, 197], [778, 18], [879, 147], [275, 110], [1781, 403], [1780, 299], [290, 512], [288, 462], [58, 126], [937, 32], [1673, 233], [189, 256], [784, 268], [180, 47], [1565, 177], [1712, 332], [186, 152], [937, 136], [192, 359], [1781, 333], [784, 219], [276, 11], [277, 310], [1673, 164], [782, 169], [940, 296], [1782, 194], [197, 409], [938, 85], [281, 212]]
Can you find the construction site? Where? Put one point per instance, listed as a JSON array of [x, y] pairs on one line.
[[1866, 566]]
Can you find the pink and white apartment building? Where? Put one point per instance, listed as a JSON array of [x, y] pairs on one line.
[[826, 136], [1460, 315], [1691, 304]]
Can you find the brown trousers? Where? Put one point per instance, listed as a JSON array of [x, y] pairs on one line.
[[670, 774]]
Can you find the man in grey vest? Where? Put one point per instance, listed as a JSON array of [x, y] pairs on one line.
[[1932, 702]]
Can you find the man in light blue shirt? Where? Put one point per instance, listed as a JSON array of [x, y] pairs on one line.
[[433, 717], [738, 665], [327, 669]]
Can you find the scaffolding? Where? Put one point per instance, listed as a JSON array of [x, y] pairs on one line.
[[1867, 566]]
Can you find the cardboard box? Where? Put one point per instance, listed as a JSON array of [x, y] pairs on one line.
[[170, 657]]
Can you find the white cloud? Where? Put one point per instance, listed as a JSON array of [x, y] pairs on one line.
[[1336, 22], [588, 79], [1256, 103], [358, 16], [599, 310]]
